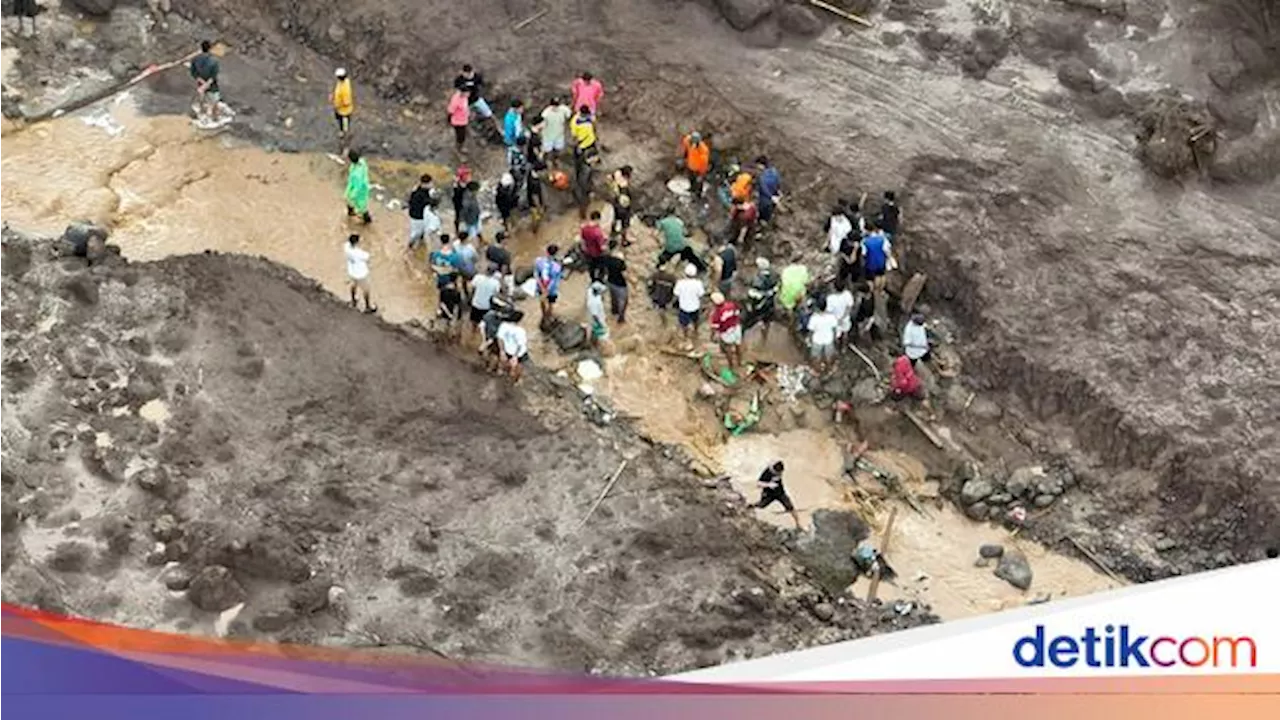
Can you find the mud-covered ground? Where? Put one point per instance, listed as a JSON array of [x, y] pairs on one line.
[[185, 436], [1130, 319], [1123, 325]]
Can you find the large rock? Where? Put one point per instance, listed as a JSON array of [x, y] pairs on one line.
[[93, 8], [744, 14], [1023, 480], [975, 490], [1075, 75], [799, 20], [1014, 569], [215, 589]]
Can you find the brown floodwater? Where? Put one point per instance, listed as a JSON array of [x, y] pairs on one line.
[[165, 189]]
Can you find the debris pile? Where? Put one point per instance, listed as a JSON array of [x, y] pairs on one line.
[[1175, 136]]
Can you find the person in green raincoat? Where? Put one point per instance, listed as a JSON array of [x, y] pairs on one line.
[[358, 188]]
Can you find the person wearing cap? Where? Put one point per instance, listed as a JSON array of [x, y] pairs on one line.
[[689, 291], [726, 328], [772, 491], [761, 296], [696, 156], [343, 99], [915, 339], [506, 198]]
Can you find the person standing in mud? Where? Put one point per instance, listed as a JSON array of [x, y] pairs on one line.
[[768, 189], [506, 199], [772, 491], [761, 297], [549, 272], [358, 188], [459, 111], [661, 288], [620, 186], [890, 214], [915, 340], [598, 329], [675, 242], [876, 253], [444, 263], [470, 211], [513, 344], [822, 339], [484, 288], [513, 129], [584, 179], [422, 204], [724, 266], [583, 128], [472, 83], [840, 303], [535, 166], [499, 256], [696, 158], [555, 120], [743, 219], [204, 69], [838, 226], [25, 9], [615, 277], [726, 328], [587, 91], [358, 272], [689, 292], [594, 243], [460, 180], [343, 99]]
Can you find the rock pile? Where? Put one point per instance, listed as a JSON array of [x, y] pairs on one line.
[[991, 498]]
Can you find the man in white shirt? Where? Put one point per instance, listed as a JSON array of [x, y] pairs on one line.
[[689, 291], [598, 329], [358, 272], [555, 120], [513, 342], [840, 304], [915, 339], [822, 339], [838, 227], [483, 288]]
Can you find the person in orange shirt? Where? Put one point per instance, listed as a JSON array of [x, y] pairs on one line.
[[740, 188], [697, 161]]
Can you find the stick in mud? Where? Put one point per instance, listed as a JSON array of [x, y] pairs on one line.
[[616, 474], [841, 13], [1097, 561], [530, 20], [865, 359], [924, 429]]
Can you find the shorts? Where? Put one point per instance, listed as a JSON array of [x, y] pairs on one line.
[[550, 145], [361, 284], [822, 352], [460, 133], [598, 330], [481, 109], [428, 225], [472, 231], [551, 299], [873, 273], [688, 318], [732, 336], [344, 122], [213, 97], [771, 495], [621, 217], [477, 314]]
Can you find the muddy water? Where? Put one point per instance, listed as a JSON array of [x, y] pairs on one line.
[[166, 189], [934, 555]]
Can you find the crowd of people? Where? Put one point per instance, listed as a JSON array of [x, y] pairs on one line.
[[474, 276]]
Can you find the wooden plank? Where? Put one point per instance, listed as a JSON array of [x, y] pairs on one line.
[[911, 293], [841, 13], [605, 493], [924, 429], [530, 20], [1097, 561]]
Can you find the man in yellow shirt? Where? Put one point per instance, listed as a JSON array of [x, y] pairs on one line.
[[344, 104], [583, 128]]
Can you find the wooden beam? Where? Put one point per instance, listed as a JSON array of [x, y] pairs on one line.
[[841, 13], [605, 493]]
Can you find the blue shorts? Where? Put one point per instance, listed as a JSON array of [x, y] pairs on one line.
[[688, 318], [553, 144], [472, 231], [481, 108]]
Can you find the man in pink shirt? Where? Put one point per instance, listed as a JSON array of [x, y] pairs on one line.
[[459, 116], [587, 91]]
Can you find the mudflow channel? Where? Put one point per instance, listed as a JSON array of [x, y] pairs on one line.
[[166, 190]]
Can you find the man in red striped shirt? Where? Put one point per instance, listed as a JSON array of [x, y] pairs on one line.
[[726, 328]]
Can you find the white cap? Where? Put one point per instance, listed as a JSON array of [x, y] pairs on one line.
[[691, 270], [762, 263], [507, 179], [340, 72]]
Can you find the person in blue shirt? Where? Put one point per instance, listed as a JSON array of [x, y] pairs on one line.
[[513, 127], [876, 252], [444, 263], [548, 271], [768, 188]]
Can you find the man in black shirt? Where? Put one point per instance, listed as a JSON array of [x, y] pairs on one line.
[[472, 83], [890, 214], [423, 220], [771, 491], [615, 277], [204, 69], [535, 166], [498, 255]]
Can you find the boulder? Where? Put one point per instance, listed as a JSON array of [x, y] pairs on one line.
[[1075, 75], [799, 20], [1015, 570], [991, 550], [215, 589], [274, 620], [975, 490], [977, 511], [177, 578], [1044, 501], [165, 528], [1023, 480], [823, 611], [92, 8], [744, 14]]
